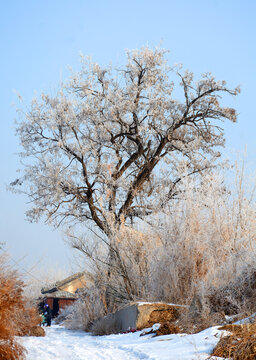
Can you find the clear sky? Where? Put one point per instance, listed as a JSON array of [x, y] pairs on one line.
[[40, 38]]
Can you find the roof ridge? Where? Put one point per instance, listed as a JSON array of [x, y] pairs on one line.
[[55, 286]]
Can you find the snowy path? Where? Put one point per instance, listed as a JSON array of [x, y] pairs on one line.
[[62, 344]]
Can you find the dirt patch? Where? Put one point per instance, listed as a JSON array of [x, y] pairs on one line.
[[163, 315], [168, 328], [149, 314]]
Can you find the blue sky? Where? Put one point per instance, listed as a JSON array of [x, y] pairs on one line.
[[40, 38]]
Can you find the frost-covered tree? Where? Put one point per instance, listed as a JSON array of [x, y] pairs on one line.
[[118, 142]]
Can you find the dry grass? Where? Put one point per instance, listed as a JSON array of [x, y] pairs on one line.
[[27, 320], [240, 345], [10, 304], [16, 316]]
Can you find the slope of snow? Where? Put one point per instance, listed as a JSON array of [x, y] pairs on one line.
[[63, 344]]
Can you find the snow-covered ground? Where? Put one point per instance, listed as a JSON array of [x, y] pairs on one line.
[[62, 344]]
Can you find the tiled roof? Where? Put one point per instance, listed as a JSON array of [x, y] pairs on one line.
[[54, 287], [61, 295]]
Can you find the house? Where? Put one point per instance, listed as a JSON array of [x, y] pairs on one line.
[[63, 293]]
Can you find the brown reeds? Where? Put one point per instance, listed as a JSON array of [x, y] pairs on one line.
[[239, 345], [16, 315], [10, 305]]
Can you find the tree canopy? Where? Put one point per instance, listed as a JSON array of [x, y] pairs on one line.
[[118, 141]]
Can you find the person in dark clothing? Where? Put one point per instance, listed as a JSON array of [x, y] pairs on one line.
[[48, 314]]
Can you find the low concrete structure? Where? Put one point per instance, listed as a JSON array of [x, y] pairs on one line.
[[141, 315]]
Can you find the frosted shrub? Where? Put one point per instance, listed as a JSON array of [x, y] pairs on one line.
[[204, 244], [76, 318], [88, 308], [208, 240], [64, 313], [105, 326]]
